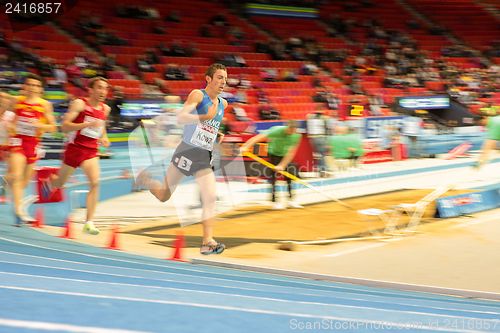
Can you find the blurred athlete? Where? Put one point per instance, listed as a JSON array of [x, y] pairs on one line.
[[86, 123], [33, 116], [202, 115]]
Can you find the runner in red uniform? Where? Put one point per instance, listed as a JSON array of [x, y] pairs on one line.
[[33, 117], [85, 120]]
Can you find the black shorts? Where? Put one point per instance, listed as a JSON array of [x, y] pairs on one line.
[[189, 159]]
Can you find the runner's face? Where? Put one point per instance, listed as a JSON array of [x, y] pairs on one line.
[[32, 87], [218, 80], [99, 91]]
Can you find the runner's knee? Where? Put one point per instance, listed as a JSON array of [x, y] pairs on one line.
[[94, 184], [165, 196]]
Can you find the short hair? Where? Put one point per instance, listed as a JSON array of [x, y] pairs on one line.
[[93, 80], [213, 68], [32, 76]]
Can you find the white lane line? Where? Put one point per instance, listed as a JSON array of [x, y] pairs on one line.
[[45, 326], [323, 294], [258, 298], [303, 282], [242, 309], [231, 273]]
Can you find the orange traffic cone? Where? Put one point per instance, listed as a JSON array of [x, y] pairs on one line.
[[113, 243], [38, 223], [67, 229], [179, 244]]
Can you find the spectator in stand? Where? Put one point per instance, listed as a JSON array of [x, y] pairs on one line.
[[176, 49], [159, 28], [262, 96], [376, 102], [109, 63], [219, 20], [269, 74], [163, 49], [173, 16], [244, 82], [268, 112], [275, 48], [174, 72], [151, 57], [309, 69], [236, 36], [322, 95], [143, 65], [206, 31], [289, 75], [81, 60], [231, 60]]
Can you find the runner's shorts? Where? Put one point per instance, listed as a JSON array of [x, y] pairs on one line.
[[75, 155], [27, 147], [190, 159]]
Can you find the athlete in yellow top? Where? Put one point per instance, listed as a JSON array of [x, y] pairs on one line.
[[33, 116]]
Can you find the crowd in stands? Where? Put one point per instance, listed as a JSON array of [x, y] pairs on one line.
[[393, 54]]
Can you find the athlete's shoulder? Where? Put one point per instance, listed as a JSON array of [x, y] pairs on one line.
[[197, 92], [43, 102], [106, 108], [78, 104], [19, 99]]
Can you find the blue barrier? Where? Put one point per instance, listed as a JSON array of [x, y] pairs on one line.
[[468, 203], [441, 144]]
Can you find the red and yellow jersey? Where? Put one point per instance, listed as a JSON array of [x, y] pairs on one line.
[[27, 114]]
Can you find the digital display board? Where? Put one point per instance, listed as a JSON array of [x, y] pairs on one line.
[[145, 109], [424, 102]]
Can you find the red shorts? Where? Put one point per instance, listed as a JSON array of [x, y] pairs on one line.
[[75, 155], [28, 148]]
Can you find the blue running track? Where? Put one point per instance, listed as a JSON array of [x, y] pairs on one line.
[[52, 284]]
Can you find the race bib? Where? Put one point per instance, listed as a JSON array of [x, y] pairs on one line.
[[15, 142], [184, 163], [91, 132], [204, 136], [24, 126], [40, 153]]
